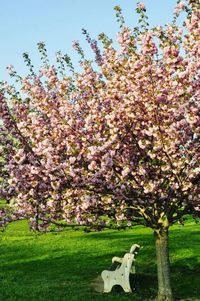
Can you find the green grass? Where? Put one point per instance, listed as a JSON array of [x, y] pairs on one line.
[[61, 266]]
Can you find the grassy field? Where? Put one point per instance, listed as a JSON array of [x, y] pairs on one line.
[[60, 266]]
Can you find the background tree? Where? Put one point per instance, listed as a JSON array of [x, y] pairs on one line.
[[118, 142]]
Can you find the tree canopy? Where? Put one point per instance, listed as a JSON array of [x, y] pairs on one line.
[[117, 142]]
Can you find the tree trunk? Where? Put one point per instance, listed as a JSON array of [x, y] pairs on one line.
[[37, 218], [163, 267]]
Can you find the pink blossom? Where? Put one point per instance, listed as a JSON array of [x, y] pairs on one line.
[[141, 6]]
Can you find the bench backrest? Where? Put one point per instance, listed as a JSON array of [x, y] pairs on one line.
[[135, 249]]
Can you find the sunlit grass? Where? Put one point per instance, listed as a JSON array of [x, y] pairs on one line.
[[61, 265]]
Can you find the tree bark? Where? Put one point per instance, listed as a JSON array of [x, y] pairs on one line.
[[163, 266]]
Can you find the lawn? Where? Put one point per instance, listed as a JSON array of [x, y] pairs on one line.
[[62, 265]]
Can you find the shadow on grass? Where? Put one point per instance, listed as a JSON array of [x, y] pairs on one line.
[[61, 266], [186, 278], [70, 275]]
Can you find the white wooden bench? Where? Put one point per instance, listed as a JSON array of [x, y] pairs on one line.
[[119, 272]]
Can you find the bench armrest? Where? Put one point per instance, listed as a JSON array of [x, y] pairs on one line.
[[117, 259]]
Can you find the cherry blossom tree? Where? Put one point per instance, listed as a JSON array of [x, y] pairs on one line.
[[117, 143]]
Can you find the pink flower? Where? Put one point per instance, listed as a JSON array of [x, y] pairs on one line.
[[180, 6], [141, 6], [92, 165]]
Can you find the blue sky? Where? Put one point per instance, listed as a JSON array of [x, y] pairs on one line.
[[23, 23]]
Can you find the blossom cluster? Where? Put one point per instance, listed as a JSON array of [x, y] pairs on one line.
[[115, 144]]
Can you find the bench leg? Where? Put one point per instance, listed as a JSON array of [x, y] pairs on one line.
[[107, 287], [107, 282], [116, 278], [125, 283], [126, 287]]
